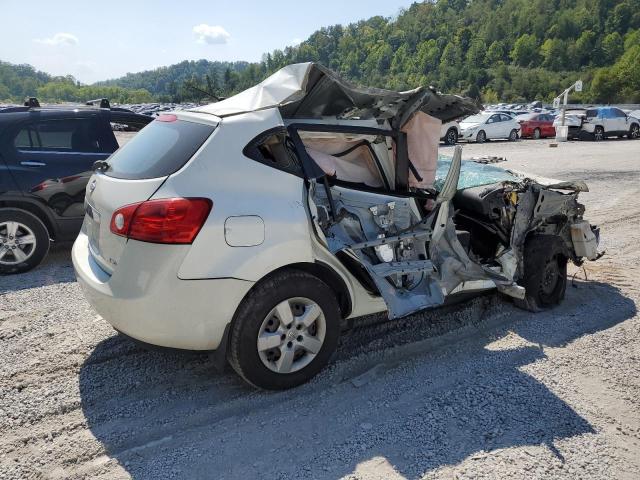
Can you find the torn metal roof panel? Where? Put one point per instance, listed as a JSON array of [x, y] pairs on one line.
[[310, 90]]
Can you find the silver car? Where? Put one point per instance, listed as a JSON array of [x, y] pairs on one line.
[[262, 225]]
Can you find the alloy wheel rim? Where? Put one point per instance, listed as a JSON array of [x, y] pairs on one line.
[[599, 134], [536, 134], [291, 335], [635, 132], [17, 243], [452, 137]]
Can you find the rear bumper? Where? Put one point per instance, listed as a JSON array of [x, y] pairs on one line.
[[145, 300]]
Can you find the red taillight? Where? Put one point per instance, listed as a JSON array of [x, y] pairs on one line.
[[166, 220]]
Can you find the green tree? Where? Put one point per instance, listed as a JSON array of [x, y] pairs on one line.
[[525, 50], [495, 54], [613, 45]]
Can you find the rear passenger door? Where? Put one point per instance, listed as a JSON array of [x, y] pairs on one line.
[[52, 159], [507, 124]]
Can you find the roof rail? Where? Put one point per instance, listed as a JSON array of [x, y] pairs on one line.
[[101, 102], [31, 102]]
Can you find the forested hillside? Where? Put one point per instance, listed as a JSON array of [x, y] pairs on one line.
[[186, 80], [20, 81], [502, 49], [511, 50]]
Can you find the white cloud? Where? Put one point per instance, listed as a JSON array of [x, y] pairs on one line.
[[211, 34], [61, 38], [296, 41]]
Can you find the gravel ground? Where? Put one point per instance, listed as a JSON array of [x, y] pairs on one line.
[[476, 390]]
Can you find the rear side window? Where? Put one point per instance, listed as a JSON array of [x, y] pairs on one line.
[[160, 149], [74, 135], [592, 113], [275, 149]]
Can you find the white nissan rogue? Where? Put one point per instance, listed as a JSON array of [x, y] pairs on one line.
[[256, 225]]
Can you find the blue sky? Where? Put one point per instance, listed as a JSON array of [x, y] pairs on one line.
[[98, 40]]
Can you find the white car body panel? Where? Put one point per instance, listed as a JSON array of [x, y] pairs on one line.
[[220, 172], [147, 301], [446, 126]]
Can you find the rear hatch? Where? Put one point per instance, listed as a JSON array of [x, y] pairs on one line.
[[134, 173]]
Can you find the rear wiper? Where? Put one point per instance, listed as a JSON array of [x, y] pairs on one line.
[[100, 166]]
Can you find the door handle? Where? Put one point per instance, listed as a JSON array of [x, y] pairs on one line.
[[33, 164]]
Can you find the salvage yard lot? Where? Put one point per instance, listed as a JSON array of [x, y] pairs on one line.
[[476, 390]]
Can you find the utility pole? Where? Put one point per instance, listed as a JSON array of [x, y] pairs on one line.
[[561, 135]]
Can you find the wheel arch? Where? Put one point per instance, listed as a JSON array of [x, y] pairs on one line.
[[34, 209], [323, 272]]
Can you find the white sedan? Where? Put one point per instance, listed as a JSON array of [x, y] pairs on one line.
[[488, 126]]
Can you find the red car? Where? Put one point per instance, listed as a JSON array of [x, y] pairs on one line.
[[537, 125]]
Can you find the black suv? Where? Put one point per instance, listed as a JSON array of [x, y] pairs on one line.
[[46, 159]]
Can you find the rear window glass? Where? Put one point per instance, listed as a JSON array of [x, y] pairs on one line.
[[160, 149], [592, 113]]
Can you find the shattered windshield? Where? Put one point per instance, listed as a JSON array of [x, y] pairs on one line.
[[472, 174]]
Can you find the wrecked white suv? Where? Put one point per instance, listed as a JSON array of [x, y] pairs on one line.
[[261, 225]]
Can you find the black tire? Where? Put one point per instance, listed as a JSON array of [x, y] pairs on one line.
[[9, 263], [243, 353], [451, 137], [634, 132], [536, 134], [481, 137], [513, 135], [545, 273], [598, 134]]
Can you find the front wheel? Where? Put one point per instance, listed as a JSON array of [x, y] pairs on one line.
[[545, 273], [634, 132], [451, 138], [24, 241], [513, 135], [285, 331], [537, 134], [481, 137]]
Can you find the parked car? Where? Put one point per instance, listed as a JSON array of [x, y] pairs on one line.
[[489, 126], [537, 125], [605, 122], [261, 225], [46, 156], [450, 132]]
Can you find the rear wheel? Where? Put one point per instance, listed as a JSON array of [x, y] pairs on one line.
[[545, 273], [285, 331], [536, 134], [451, 138], [513, 135], [598, 134], [24, 241], [481, 137], [634, 132]]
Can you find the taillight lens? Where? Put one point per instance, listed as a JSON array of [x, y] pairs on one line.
[[166, 220]]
